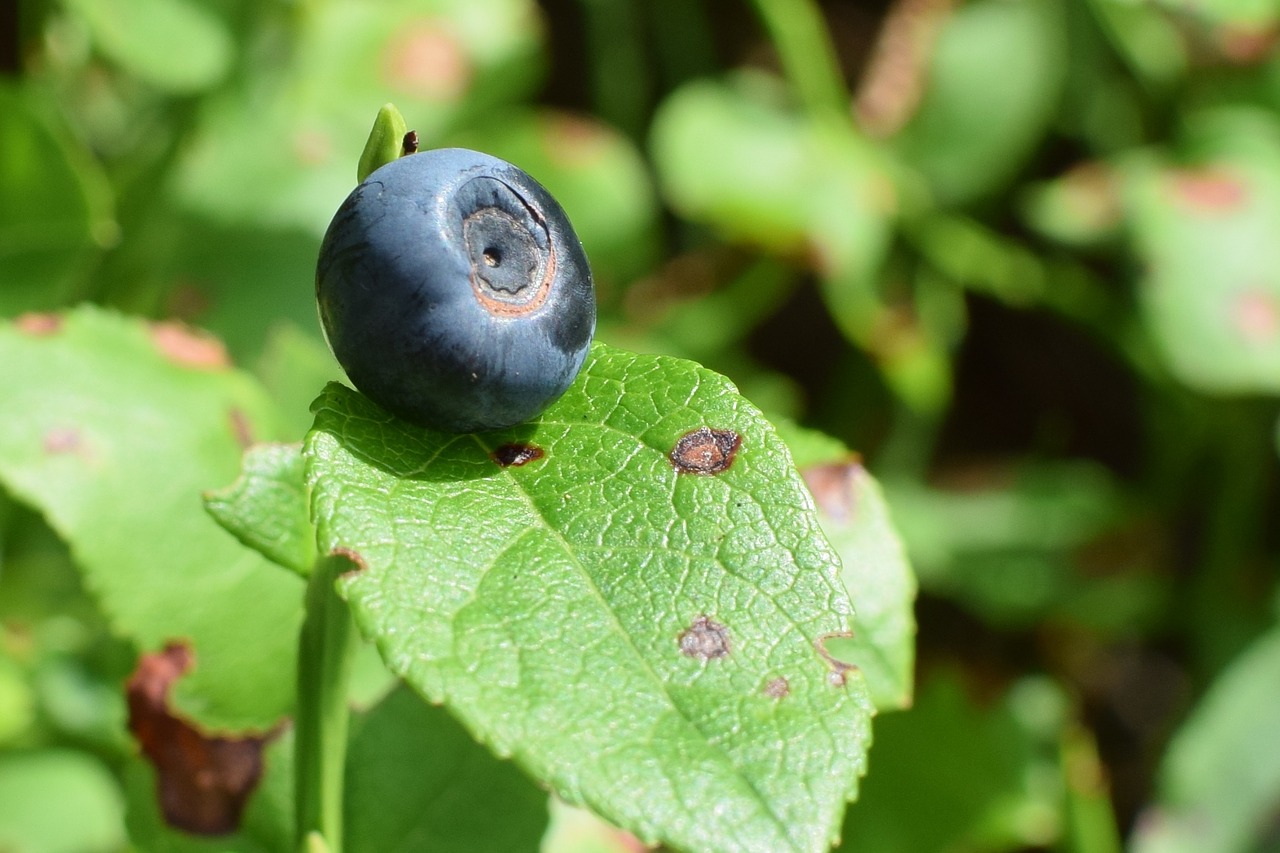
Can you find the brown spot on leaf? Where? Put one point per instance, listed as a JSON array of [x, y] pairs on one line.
[[409, 145], [354, 557], [240, 427], [517, 454], [203, 780], [833, 487], [839, 674], [312, 147], [62, 440], [189, 347], [1256, 315], [705, 451], [1245, 45], [777, 688], [705, 639], [39, 325], [427, 59], [1208, 190]]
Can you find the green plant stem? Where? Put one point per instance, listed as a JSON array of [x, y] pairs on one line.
[[328, 642], [808, 57]]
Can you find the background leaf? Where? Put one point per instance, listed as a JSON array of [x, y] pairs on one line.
[[855, 517], [124, 425], [1211, 294], [993, 83], [1218, 788], [700, 601], [417, 781], [54, 212], [58, 801], [178, 45]]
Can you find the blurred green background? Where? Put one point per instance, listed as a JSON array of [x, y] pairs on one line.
[[1023, 255]]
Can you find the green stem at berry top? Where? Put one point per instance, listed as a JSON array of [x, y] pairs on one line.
[[385, 142]]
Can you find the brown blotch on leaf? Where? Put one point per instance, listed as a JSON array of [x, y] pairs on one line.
[[1208, 190], [203, 781], [705, 639], [189, 347], [353, 556], [833, 488], [1245, 45], [705, 451], [62, 440], [1256, 314], [777, 688], [516, 454], [241, 428], [839, 674], [409, 145], [428, 59], [39, 325], [311, 147]]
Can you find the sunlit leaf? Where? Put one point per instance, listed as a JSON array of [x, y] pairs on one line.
[[631, 596]]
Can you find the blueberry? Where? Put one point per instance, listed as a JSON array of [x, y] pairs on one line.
[[454, 292]]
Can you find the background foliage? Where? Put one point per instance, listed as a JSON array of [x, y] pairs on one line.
[[1019, 254]]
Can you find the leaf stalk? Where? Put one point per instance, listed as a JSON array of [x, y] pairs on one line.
[[326, 647]]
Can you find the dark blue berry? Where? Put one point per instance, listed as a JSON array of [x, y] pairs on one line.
[[454, 292]]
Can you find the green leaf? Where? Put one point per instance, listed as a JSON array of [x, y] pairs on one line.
[[54, 210], [984, 779], [385, 143], [246, 295], [735, 157], [1006, 545], [1218, 784], [731, 156], [121, 427], [1145, 37], [640, 639], [417, 781], [59, 801], [995, 77], [855, 517], [176, 45], [1211, 294], [266, 508]]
